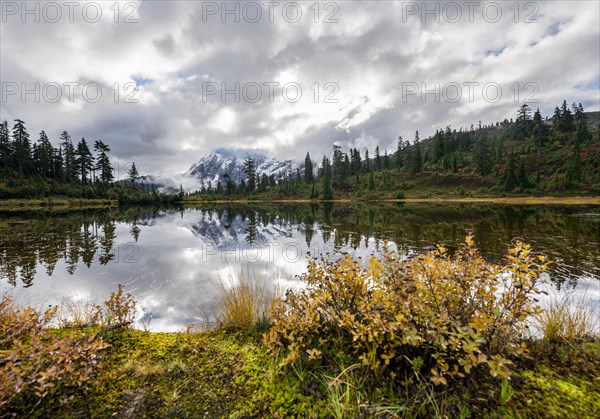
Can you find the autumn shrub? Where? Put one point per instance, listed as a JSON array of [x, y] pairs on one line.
[[441, 316], [38, 370], [42, 369], [118, 309]]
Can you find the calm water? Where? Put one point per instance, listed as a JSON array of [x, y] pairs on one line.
[[172, 261]]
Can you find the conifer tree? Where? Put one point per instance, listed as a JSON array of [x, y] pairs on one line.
[[399, 150], [417, 158], [44, 153], [377, 159], [133, 173], [308, 169], [103, 162], [21, 147], [5, 146], [68, 157], [250, 170], [84, 161]]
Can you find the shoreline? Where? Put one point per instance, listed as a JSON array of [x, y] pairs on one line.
[[538, 200], [51, 204]]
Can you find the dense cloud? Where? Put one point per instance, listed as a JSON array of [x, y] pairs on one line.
[[174, 54]]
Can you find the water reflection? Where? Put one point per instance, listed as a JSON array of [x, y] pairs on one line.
[[171, 260]]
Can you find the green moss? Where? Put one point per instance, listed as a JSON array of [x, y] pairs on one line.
[[227, 374], [565, 382], [162, 375]]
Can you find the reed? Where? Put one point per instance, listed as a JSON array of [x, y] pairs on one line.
[[247, 301], [567, 318]]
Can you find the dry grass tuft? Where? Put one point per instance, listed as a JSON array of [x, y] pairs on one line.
[[246, 301], [568, 318], [77, 313]]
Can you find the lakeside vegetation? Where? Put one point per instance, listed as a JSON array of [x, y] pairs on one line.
[[438, 334], [55, 204]]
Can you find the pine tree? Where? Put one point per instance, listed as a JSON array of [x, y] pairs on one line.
[[308, 169], [483, 158], [377, 159], [417, 159], [103, 162], [250, 170], [57, 162], [523, 123], [69, 157], [578, 115], [133, 173], [339, 169], [5, 146], [399, 156], [582, 135], [21, 147], [327, 191], [566, 118], [229, 185], [84, 161], [556, 119], [438, 146], [539, 130], [44, 153], [355, 163], [346, 167], [367, 163]]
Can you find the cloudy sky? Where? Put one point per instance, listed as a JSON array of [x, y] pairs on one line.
[[164, 82]]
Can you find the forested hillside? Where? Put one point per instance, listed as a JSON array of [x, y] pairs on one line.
[[532, 154]]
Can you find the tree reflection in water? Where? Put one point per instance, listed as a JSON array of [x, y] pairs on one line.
[[569, 235]]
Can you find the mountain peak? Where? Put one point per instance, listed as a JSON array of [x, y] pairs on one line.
[[214, 166]]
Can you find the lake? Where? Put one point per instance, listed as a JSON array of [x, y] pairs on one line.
[[174, 260]]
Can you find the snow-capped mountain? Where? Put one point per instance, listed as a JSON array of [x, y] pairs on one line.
[[214, 166]]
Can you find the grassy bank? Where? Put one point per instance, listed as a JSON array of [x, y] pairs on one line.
[[231, 374], [50, 204], [517, 200], [436, 335], [55, 204]]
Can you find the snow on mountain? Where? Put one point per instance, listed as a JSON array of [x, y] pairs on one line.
[[214, 166]]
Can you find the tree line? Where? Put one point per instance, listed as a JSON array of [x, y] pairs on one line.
[[36, 168], [68, 162]]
